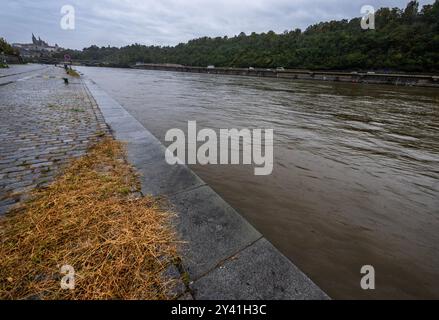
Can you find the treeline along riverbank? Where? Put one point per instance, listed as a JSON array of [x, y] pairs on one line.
[[403, 40]]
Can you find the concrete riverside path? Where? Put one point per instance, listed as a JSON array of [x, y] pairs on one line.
[[43, 125], [224, 256]]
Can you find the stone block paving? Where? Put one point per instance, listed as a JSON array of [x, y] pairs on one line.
[[43, 125]]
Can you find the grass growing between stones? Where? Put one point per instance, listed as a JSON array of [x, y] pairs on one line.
[[89, 218]]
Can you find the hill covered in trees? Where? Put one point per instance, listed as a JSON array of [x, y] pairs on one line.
[[6, 48], [404, 39]]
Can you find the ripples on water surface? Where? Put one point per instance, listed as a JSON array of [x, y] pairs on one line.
[[356, 169]]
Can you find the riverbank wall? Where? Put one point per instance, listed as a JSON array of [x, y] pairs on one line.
[[223, 257], [290, 74], [10, 59]]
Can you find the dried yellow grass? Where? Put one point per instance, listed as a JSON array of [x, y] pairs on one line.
[[73, 73], [118, 244]]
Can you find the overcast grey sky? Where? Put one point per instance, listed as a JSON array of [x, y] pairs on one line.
[[167, 22]]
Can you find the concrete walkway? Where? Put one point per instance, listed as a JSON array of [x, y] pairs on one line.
[[225, 257]]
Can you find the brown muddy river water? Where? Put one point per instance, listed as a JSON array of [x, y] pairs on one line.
[[356, 169]]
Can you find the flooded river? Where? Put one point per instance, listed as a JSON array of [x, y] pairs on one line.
[[356, 169]]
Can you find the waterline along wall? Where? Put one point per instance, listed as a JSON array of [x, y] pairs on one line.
[[353, 77], [224, 256]]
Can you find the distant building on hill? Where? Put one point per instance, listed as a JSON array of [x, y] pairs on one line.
[[38, 48]]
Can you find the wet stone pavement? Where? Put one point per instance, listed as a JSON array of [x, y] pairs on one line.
[[43, 125]]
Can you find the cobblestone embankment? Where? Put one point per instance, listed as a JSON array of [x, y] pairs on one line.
[[43, 124]]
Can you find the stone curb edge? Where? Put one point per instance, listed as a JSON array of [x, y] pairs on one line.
[[226, 258]]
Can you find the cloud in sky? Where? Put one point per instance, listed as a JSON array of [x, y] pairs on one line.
[[168, 22]]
